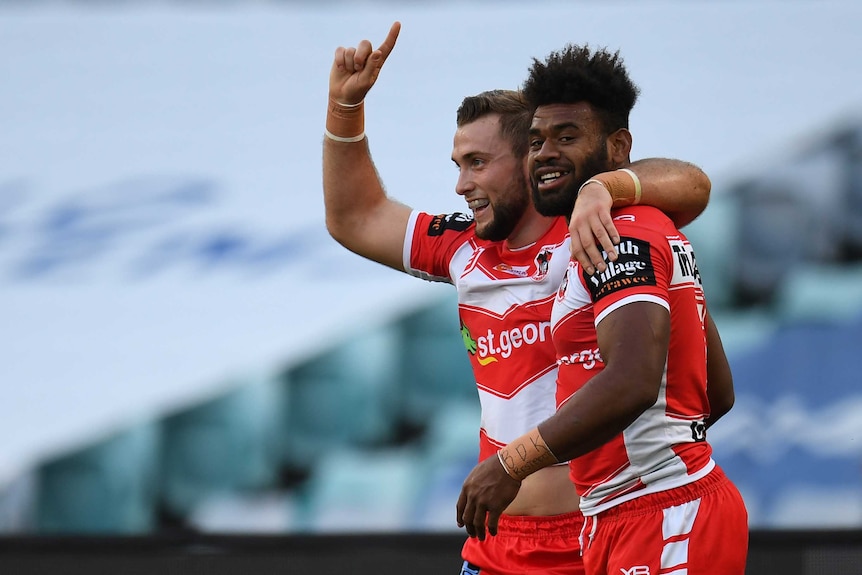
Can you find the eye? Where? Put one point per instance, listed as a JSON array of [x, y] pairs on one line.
[[536, 143]]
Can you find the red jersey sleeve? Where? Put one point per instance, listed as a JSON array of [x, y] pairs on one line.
[[644, 265], [432, 241]]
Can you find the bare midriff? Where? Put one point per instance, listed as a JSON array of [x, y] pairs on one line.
[[546, 492]]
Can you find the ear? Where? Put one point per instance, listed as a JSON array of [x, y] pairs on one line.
[[619, 147]]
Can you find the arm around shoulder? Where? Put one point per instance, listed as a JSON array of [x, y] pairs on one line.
[[678, 188]]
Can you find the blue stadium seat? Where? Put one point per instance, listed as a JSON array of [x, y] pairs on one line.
[[829, 293], [743, 331], [441, 487], [18, 503], [789, 216], [795, 425], [453, 432], [713, 236], [849, 145], [107, 488], [353, 490], [224, 444], [435, 367], [797, 355], [774, 232], [449, 450], [346, 396], [816, 506], [264, 512]]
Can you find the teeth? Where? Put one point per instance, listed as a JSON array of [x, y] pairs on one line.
[[476, 204], [550, 177]]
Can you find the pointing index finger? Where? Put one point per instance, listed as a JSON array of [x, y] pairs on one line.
[[389, 43]]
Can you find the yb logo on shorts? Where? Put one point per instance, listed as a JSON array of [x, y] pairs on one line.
[[636, 570]]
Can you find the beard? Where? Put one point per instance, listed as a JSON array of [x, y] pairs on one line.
[[507, 211], [562, 202]]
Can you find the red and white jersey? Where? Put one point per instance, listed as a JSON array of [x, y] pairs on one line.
[[666, 446], [504, 300]]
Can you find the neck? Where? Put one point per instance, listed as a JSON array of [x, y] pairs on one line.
[[531, 227]]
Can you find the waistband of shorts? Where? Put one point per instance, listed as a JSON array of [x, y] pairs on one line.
[[564, 524], [654, 502]]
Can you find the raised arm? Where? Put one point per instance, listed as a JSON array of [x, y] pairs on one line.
[[359, 215], [679, 189]]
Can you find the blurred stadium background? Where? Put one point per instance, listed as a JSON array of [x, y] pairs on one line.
[[186, 352]]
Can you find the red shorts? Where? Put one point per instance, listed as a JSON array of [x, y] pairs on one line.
[[526, 545], [696, 529]]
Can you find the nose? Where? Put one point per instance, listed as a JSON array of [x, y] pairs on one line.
[[465, 183], [546, 151]]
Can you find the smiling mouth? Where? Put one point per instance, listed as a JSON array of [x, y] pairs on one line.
[[478, 205], [551, 177]]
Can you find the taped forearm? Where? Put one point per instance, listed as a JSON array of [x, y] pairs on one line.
[[526, 455], [345, 122], [623, 185]]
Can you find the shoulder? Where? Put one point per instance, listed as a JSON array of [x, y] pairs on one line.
[[644, 222], [642, 216], [440, 224]]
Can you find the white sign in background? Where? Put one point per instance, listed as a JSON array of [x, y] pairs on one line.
[[161, 219]]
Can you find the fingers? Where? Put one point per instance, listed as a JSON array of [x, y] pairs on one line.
[[339, 59], [592, 228], [608, 237], [493, 519], [587, 241], [354, 59], [378, 57], [360, 56], [584, 260], [389, 43], [349, 61], [355, 69], [470, 516], [591, 233], [364, 56], [476, 523], [582, 240]]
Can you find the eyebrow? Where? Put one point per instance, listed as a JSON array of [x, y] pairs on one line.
[[558, 127], [467, 156]]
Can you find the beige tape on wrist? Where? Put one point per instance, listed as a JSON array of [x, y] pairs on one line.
[[623, 185], [526, 455], [345, 122], [637, 182]]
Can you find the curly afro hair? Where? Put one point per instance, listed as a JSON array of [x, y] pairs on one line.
[[577, 74]]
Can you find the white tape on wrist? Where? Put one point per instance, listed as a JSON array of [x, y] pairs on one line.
[[335, 138]]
